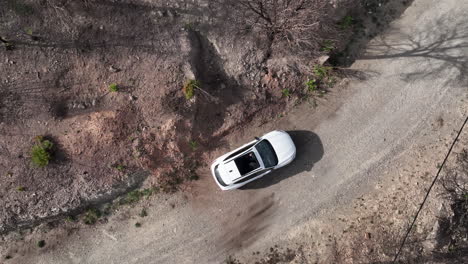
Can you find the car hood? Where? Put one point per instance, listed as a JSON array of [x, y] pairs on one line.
[[282, 144]]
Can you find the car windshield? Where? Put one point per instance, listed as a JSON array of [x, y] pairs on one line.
[[247, 163], [267, 153]]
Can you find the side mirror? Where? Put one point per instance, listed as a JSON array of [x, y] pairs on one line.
[[257, 138]]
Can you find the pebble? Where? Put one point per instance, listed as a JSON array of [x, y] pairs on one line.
[[113, 69]]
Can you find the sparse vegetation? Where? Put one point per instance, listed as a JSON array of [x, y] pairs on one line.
[[189, 88], [7, 44], [119, 167], [143, 213], [311, 85], [113, 87], [286, 92], [346, 22], [455, 183], [28, 31], [41, 152], [91, 216], [137, 224], [327, 46], [41, 243], [135, 196], [321, 71], [193, 145], [70, 219], [21, 189], [20, 8], [231, 260]]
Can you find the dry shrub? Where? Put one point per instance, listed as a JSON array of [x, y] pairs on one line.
[[295, 24]]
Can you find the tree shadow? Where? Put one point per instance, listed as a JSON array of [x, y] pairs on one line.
[[436, 51], [309, 150]]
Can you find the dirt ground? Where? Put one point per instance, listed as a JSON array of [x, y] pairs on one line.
[[55, 79], [148, 126], [371, 228]]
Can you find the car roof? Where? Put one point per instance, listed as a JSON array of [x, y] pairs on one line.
[[231, 173]]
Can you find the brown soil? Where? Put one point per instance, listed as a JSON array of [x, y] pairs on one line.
[[55, 82]]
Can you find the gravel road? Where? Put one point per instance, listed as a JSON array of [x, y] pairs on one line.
[[415, 74]]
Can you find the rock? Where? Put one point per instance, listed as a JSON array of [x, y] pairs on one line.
[[113, 69], [323, 59], [170, 14]]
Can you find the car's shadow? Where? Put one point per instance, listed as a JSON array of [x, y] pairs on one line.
[[309, 150]]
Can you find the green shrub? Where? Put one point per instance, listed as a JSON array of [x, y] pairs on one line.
[[321, 71], [193, 145], [70, 219], [20, 8], [113, 87], [119, 167], [143, 213], [311, 85], [91, 216], [346, 22], [286, 92], [189, 88], [41, 152], [137, 224], [21, 189], [135, 195], [41, 243], [9, 46], [327, 46]]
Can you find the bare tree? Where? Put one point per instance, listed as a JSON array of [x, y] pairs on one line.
[[297, 23]]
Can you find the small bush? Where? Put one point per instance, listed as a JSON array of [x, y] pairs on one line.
[[135, 196], [119, 167], [327, 46], [321, 71], [91, 216], [193, 145], [189, 88], [41, 152], [137, 225], [346, 22], [41, 243], [311, 85], [20, 8], [9, 46], [194, 177], [113, 88], [286, 92], [70, 219], [21, 189], [143, 213]]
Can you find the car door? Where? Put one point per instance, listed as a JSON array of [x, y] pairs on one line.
[[257, 174]]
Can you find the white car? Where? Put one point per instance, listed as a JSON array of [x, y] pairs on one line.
[[253, 160]]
